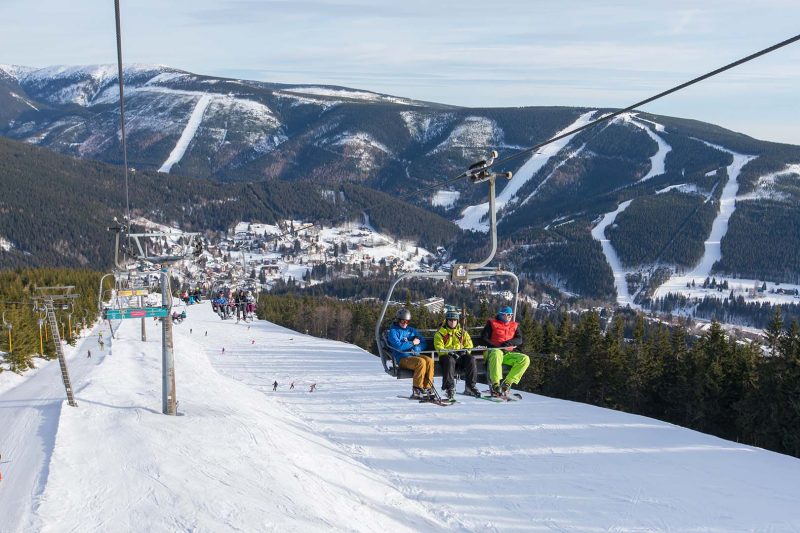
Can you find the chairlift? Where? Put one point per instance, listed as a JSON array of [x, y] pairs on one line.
[[460, 273]]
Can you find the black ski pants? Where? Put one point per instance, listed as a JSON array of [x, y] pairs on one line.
[[466, 366]]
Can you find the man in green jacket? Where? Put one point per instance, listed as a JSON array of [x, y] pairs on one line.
[[453, 345]]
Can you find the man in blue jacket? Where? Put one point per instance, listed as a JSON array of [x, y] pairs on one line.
[[406, 344]]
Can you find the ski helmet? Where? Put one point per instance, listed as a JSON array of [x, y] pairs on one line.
[[403, 314], [452, 315]]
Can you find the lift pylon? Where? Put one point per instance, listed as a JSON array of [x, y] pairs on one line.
[[48, 298]]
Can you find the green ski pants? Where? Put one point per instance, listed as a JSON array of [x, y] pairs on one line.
[[496, 358]]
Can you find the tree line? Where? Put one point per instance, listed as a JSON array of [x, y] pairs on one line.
[[17, 290]]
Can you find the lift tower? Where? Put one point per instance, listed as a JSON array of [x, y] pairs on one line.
[[48, 298]]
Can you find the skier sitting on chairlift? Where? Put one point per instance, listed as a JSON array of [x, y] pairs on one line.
[[406, 344], [454, 344]]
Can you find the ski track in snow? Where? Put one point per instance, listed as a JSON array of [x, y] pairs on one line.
[[712, 250], [657, 166], [351, 456], [598, 233], [471, 216], [188, 133]]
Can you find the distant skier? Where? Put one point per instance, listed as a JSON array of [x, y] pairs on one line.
[[313, 387], [223, 349], [275, 386], [102, 344], [253, 341], [190, 331], [89, 354], [206, 335], [291, 386]]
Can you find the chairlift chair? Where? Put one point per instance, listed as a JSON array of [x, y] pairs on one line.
[[464, 272]]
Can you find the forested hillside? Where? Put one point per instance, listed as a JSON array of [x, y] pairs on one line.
[[17, 290], [55, 209]]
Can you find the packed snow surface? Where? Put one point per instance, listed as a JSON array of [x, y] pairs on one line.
[[351, 456], [712, 249], [657, 160], [598, 233], [188, 133]]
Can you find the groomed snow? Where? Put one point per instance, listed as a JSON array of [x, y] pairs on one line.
[[712, 251], [657, 160], [598, 233], [188, 133], [350, 456]]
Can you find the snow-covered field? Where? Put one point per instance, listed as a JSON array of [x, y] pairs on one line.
[[350, 456]]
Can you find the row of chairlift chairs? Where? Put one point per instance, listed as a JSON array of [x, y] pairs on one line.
[[140, 260]]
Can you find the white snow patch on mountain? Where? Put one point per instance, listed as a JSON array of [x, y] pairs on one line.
[[304, 100], [474, 133], [361, 146], [5, 244], [598, 233], [15, 71], [765, 185], [688, 188], [166, 77], [349, 94], [657, 160], [425, 126], [88, 81], [350, 456], [188, 133], [24, 101], [445, 199]]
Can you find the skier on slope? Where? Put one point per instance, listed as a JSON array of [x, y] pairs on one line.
[[453, 344], [275, 386], [501, 334], [406, 344]]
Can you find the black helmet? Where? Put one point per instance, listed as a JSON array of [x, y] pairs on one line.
[[452, 315], [403, 314]]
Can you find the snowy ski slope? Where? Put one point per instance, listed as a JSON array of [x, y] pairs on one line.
[[350, 456]]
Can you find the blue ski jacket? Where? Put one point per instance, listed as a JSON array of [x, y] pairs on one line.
[[400, 340]]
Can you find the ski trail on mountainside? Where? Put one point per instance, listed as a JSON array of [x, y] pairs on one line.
[[188, 133]]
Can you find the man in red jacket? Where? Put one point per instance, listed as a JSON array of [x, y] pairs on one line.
[[501, 334]]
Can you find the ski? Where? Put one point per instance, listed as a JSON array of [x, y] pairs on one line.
[[484, 397], [443, 403], [513, 397]]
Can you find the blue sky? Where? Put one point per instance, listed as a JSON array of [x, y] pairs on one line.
[[506, 53]]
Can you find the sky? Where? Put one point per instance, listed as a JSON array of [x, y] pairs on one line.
[[605, 53], [351, 456]]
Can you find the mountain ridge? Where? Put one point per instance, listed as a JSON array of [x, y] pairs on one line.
[[232, 130]]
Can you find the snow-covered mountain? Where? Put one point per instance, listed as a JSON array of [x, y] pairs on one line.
[[351, 456], [673, 171]]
